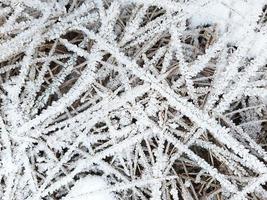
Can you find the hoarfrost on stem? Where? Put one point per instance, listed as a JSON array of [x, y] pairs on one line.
[[133, 99]]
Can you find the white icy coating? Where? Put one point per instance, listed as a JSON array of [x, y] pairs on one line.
[[89, 188], [133, 99]]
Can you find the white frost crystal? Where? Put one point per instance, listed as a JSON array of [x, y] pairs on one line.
[[133, 99]]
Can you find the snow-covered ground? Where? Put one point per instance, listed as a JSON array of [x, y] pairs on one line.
[[89, 188]]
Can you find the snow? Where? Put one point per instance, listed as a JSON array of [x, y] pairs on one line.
[[227, 14], [139, 91], [89, 188]]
